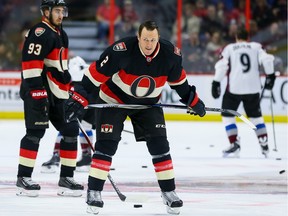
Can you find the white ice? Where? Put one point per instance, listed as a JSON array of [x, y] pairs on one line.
[[208, 184]]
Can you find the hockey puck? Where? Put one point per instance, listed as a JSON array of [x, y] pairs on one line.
[[188, 148], [282, 171], [112, 168], [137, 206], [144, 166], [278, 159]]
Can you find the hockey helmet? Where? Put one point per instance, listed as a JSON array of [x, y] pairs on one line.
[[49, 4]]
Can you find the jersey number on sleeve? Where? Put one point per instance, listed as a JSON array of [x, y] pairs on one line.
[[34, 49], [245, 61]]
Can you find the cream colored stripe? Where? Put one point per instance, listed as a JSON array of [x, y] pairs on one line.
[[88, 74], [27, 162], [97, 173], [56, 64], [107, 98], [36, 72], [178, 83], [68, 162], [59, 93], [165, 175]]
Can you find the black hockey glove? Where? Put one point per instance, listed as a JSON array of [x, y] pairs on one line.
[[269, 82], [216, 89], [40, 101], [194, 103], [74, 106]]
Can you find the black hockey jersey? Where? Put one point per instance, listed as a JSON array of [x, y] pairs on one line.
[[127, 76], [44, 60]]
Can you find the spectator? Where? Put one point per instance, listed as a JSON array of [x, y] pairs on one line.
[[262, 14], [190, 22], [130, 20], [210, 23], [194, 55], [103, 14], [200, 9], [214, 46]]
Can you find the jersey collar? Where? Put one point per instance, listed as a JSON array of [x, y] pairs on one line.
[[46, 21], [153, 55]]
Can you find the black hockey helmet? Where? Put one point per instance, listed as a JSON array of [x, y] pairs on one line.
[[49, 4]]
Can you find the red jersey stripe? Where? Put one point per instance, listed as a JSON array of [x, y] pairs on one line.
[[96, 75], [32, 64]]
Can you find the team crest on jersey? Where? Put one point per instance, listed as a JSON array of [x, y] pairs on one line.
[[177, 51], [106, 128], [39, 31], [120, 47]]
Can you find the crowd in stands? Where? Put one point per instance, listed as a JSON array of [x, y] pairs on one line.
[[207, 27]]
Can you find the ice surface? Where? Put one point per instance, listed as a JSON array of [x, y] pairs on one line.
[[208, 184]]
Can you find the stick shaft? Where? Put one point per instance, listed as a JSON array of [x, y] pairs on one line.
[[174, 106], [273, 123], [120, 195]]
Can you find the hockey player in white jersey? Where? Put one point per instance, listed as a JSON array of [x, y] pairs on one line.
[[240, 62]]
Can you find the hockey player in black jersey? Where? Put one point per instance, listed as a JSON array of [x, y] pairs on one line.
[[134, 70], [45, 91]]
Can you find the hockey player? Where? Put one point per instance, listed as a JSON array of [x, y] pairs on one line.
[[241, 61], [45, 91], [76, 66], [134, 70]]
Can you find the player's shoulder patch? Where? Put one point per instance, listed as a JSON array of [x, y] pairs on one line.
[[121, 46], [177, 51], [39, 31]]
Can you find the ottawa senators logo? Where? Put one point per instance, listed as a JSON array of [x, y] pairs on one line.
[[106, 128], [120, 47], [39, 31]]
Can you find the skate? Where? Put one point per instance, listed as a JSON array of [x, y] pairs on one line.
[[83, 165], [69, 187], [27, 187], [264, 149], [172, 202], [51, 165], [94, 201], [232, 151]]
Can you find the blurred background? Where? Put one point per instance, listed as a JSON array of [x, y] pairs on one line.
[[201, 28]]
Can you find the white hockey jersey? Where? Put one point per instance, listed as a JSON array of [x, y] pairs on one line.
[[240, 62]]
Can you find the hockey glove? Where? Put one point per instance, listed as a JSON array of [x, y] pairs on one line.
[[74, 106], [269, 82], [216, 89], [40, 101], [194, 103]]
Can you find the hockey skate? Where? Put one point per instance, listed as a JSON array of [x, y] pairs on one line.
[[51, 165], [233, 150], [172, 202], [264, 149], [83, 165], [69, 187], [94, 201], [27, 187]]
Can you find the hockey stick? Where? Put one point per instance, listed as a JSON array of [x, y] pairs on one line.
[[174, 106], [120, 195], [128, 131], [273, 123]]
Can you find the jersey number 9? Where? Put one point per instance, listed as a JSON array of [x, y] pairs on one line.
[[245, 61]]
